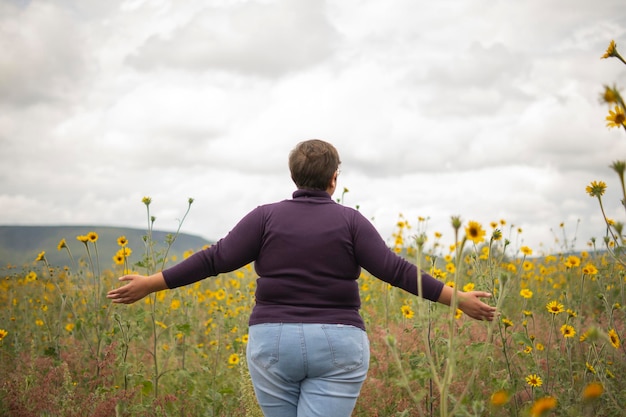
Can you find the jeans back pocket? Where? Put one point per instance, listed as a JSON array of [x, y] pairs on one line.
[[263, 343], [347, 345]]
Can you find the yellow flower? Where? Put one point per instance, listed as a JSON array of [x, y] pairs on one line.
[[596, 188], [3, 334], [572, 261], [526, 293], [610, 51], [146, 200], [539, 346], [474, 232], [118, 258], [82, 238], [507, 322], [69, 327], [175, 304], [590, 367], [437, 273], [122, 241], [468, 287], [616, 118], [62, 244], [41, 256], [610, 95], [555, 307], [499, 398], [534, 380], [233, 359], [526, 250], [614, 338], [92, 236], [567, 331], [407, 312], [39, 322], [32, 276], [592, 391], [589, 269], [542, 405]]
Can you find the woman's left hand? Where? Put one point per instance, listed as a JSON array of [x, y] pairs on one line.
[[470, 303]]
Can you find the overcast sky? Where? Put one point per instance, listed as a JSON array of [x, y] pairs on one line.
[[484, 109]]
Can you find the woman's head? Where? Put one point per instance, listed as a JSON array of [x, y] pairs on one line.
[[313, 164]]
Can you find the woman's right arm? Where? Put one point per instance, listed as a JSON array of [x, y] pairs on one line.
[[237, 249]]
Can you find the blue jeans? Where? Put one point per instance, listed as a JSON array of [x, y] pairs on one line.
[[307, 370]]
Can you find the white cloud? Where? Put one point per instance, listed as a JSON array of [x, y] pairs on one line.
[[43, 60], [268, 39]]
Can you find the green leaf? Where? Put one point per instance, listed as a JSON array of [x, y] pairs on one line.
[[146, 387], [184, 328], [521, 338]]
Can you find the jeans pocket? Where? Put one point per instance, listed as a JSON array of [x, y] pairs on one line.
[[263, 343], [347, 345]]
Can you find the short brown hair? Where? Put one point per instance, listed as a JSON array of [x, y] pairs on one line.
[[313, 163]]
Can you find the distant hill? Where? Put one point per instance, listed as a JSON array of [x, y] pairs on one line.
[[20, 245]]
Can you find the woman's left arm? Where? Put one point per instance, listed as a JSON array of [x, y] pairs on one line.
[[136, 288]]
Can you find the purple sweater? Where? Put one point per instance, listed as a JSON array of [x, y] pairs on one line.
[[308, 253]]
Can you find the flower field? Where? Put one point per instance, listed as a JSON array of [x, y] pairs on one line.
[[555, 347]]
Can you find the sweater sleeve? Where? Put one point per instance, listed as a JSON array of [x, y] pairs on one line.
[[379, 260], [238, 248]]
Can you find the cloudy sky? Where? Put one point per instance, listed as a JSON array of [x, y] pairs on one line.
[[487, 109]]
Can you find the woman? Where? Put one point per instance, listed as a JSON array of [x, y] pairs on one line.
[[308, 353]]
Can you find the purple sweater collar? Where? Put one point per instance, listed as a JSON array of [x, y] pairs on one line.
[[311, 193]]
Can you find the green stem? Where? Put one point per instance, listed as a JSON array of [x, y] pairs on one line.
[[155, 360], [548, 349], [171, 241]]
